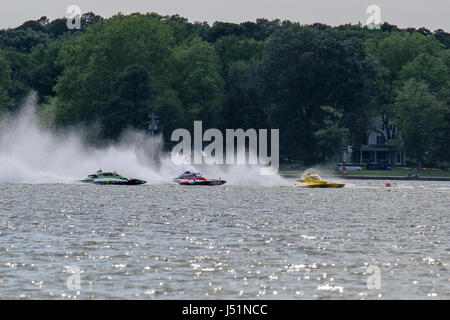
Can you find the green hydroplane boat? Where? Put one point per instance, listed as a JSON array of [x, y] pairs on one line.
[[112, 178]]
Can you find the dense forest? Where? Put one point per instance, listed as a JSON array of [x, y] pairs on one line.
[[324, 87]]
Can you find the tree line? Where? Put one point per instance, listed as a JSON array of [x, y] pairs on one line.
[[324, 87]]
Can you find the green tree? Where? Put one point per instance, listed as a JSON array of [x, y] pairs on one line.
[[240, 59], [171, 114], [22, 40], [92, 61], [398, 58], [431, 69], [198, 82], [20, 65], [263, 74], [331, 139], [443, 152], [242, 106], [129, 105], [443, 37], [395, 51], [45, 71], [419, 115], [304, 68], [5, 83], [231, 49]]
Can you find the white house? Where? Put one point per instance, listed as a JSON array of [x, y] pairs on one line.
[[374, 149]]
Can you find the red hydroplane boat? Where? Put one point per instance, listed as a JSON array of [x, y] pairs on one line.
[[196, 178]]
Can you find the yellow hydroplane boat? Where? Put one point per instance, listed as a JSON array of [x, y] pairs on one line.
[[312, 180]]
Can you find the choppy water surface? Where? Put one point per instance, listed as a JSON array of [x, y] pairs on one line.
[[227, 242]]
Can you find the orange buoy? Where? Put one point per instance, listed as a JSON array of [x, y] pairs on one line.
[[388, 184]]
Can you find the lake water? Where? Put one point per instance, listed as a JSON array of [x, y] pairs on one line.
[[225, 242]]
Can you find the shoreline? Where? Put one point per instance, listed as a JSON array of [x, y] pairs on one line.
[[351, 177]]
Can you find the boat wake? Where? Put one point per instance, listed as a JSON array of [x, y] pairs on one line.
[[32, 154]]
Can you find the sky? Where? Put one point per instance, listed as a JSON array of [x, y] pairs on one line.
[[431, 14]]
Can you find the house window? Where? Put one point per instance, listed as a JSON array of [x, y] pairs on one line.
[[400, 158], [365, 156]]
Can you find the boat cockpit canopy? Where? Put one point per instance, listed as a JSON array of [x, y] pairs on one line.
[[190, 174]]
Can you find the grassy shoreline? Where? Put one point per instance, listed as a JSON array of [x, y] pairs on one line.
[[395, 172]]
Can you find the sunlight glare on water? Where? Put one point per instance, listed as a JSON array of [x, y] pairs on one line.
[[227, 242]]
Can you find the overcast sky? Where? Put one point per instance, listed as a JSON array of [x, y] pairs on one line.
[[432, 14]]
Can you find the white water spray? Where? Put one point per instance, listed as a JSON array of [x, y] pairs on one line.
[[31, 154]]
